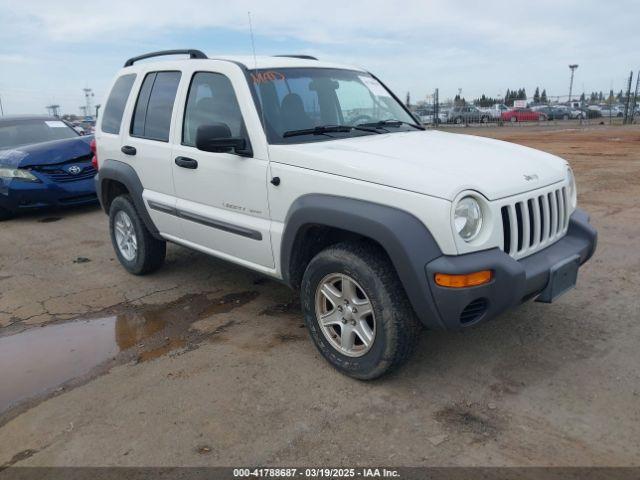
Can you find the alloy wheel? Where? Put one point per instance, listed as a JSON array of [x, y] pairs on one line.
[[345, 315], [125, 236]]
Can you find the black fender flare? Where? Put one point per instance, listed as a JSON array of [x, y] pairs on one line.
[[406, 240], [125, 174]]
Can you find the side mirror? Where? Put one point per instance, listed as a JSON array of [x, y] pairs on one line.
[[217, 138]]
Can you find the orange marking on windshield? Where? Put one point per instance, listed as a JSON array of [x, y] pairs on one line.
[[270, 76]]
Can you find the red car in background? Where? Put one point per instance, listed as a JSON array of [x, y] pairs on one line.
[[523, 115]]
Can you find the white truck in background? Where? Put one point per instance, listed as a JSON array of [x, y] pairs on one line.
[[495, 111]]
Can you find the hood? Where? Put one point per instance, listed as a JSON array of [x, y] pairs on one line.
[[46, 153], [430, 162]]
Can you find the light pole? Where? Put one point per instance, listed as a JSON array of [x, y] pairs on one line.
[[88, 96], [573, 69]]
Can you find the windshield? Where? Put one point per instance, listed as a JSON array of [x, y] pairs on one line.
[[302, 99], [15, 133]]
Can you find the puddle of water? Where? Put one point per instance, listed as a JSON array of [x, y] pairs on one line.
[[38, 360]]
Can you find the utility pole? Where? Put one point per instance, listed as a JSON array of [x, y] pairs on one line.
[[573, 69], [436, 108], [626, 104], [635, 98], [1, 109]]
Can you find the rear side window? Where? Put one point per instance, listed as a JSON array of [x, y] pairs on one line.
[[152, 115], [112, 116]]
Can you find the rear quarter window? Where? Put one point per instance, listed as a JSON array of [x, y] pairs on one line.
[[112, 116]]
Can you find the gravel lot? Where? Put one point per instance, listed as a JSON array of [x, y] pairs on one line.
[[204, 363]]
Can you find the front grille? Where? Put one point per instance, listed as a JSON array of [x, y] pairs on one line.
[[531, 224], [58, 173], [474, 311]]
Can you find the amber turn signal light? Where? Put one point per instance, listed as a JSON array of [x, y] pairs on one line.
[[462, 281]]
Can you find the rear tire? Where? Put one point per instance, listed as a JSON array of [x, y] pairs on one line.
[[371, 285], [138, 251]]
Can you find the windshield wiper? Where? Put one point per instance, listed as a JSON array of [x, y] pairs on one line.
[[391, 123], [322, 129]]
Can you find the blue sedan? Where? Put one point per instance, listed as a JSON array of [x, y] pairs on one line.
[[43, 163]]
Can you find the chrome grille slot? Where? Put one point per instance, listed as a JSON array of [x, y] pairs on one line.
[[530, 223]]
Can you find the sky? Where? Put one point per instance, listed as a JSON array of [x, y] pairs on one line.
[[51, 50]]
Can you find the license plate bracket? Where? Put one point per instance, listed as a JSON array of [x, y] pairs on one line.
[[562, 278]]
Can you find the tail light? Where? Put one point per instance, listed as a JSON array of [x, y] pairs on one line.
[[94, 150]]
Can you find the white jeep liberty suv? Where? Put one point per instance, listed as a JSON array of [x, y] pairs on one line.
[[317, 175]]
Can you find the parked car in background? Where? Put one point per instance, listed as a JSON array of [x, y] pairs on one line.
[[79, 130], [553, 112], [590, 113], [43, 163], [426, 115], [523, 115], [495, 111], [467, 114], [582, 112], [611, 111]]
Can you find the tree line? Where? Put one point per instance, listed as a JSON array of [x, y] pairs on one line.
[[538, 98]]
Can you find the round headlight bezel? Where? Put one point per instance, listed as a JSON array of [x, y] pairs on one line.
[[472, 207]]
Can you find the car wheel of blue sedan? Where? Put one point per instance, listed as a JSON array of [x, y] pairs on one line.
[[138, 251]]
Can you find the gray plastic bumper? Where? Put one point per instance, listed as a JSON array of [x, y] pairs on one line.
[[513, 281]]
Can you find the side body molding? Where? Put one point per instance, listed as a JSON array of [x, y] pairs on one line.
[[126, 175], [406, 240]]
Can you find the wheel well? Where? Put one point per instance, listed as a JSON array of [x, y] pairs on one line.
[[110, 190], [311, 240]]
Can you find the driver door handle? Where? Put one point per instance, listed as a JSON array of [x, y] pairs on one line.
[[128, 150], [186, 162]]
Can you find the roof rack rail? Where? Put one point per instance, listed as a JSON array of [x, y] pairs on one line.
[[303, 57], [192, 54]]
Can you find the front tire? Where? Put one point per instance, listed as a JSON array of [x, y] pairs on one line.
[[138, 251], [356, 310]]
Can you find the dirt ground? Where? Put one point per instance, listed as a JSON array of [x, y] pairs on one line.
[[204, 363]]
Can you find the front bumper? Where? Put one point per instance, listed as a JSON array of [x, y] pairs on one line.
[[514, 281], [16, 195]]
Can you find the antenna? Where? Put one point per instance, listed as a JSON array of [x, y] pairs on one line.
[[253, 43], [255, 67]]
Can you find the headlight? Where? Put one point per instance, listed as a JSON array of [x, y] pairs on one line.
[[467, 218], [572, 191], [17, 173]]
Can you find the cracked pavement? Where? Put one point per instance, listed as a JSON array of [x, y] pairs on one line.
[[542, 385]]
